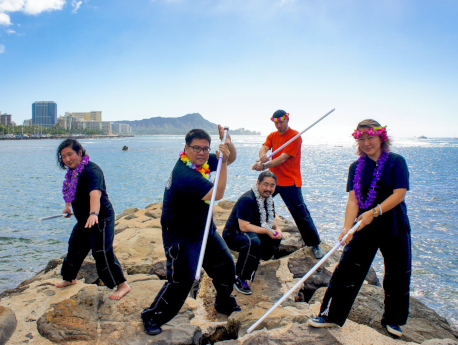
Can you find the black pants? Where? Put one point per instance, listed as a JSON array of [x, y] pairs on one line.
[[99, 238], [252, 247], [355, 263], [182, 259], [294, 201]]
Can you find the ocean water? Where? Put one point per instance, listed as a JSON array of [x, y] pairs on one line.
[[31, 182]]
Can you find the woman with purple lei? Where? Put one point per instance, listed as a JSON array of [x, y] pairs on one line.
[[84, 191], [377, 184]]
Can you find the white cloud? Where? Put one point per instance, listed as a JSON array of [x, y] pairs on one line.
[[38, 6], [10, 31], [27, 6], [4, 19], [2, 48], [11, 5], [76, 5]]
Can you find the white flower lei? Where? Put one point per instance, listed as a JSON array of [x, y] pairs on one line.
[[267, 219]]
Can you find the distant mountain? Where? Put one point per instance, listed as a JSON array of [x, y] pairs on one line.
[[243, 131], [176, 125]]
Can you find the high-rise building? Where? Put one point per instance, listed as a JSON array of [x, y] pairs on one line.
[[95, 116], [79, 116], [62, 121], [104, 126], [87, 116], [68, 121], [44, 113], [121, 128], [5, 119], [27, 123]]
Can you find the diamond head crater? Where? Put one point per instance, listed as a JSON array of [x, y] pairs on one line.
[[178, 125]]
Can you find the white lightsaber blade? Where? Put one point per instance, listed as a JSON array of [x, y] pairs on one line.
[[304, 278], [299, 134], [52, 217], [210, 209]]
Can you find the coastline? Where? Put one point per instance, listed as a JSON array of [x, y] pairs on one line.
[[101, 136]]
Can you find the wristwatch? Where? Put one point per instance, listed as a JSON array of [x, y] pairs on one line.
[[94, 213], [376, 214]]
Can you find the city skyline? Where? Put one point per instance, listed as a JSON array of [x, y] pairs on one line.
[[236, 62], [44, 114]]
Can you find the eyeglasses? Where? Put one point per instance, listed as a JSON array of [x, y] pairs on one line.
[[197, 148]]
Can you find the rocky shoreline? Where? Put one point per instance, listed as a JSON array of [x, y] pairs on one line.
[[38, 313]]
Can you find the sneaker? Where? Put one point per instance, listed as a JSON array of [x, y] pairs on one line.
[[317, 252], [151, 327], [227, 306], [394, 329], [320, 321], [242, 286]]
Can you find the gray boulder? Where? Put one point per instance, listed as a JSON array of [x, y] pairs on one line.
[[126, 212], [88, 271], [89, 316], [7, 324], [226, 204]]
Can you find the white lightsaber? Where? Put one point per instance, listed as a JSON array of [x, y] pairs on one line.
[[210, 209], [298, 135], [304, 278], [66, 214]]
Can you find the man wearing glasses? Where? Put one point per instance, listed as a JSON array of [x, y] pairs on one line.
[[184, 212]]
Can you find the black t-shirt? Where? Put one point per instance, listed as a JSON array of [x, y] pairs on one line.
[[91, 178], [395, 175], [246, 208], [184, 213]]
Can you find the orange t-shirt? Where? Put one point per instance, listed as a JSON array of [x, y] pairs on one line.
[[289, 172]]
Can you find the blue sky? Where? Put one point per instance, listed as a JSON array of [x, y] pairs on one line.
[[236, 62]]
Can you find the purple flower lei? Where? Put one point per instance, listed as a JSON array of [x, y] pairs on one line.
[[71, 180], [372, 189]]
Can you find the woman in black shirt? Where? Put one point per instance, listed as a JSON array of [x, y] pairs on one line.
[[84, 191], [377, 184]]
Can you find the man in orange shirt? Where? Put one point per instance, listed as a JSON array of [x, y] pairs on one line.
[[287, 166]]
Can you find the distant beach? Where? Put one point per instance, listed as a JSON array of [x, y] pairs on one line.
[[31, 188]]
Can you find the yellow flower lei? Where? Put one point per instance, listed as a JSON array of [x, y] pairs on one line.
[[204, 169]]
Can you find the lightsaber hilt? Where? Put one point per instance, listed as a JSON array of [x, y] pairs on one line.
[[66, 214], [226, 132], [304, 278], [351, 232]]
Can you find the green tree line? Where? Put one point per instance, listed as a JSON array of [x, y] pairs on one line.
[[41, 130]]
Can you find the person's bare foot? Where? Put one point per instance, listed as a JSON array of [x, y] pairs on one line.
[[65, 283], [122, 290]]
